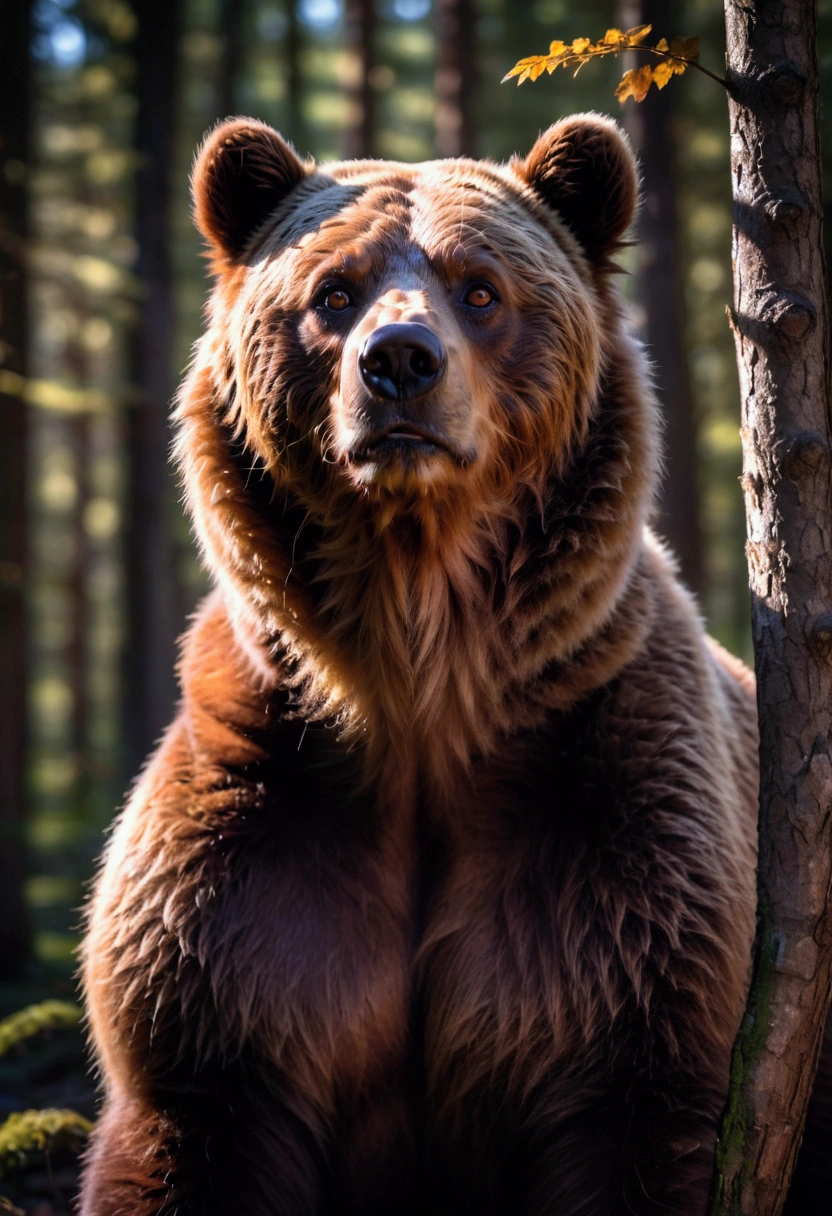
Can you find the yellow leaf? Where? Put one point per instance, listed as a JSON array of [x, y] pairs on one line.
[[635, 83], [520, 66], [580, 45], [524, 75], [661, 45], [662, 72], [537, 69], [615, 38], [637, 34], [558, 48], [685, 48]]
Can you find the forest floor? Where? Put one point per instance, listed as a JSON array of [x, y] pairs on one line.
[[43, 1068]]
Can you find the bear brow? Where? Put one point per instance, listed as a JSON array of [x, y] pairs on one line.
[[354, 261], [453, 260], [357, 256]]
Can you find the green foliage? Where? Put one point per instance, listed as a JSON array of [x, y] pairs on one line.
[[29, 1135], [674, 60], [18, 1028], [42, 1063]]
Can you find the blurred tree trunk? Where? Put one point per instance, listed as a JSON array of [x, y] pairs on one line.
[[781, 327], [359, 57], [78, 365], [79, 617], [294, 79], [231, 20], [14, 162], [659, 289], [151, 624], [456, 60]]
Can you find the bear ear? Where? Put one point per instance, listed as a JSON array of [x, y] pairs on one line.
[[583, 167], [241, 173]]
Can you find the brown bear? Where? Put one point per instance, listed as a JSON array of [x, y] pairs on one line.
[[437, 896]]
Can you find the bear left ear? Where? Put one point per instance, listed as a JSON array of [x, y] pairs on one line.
[[583, 167], [241, 173]]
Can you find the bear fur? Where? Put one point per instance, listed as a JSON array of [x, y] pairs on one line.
[[437, 897]]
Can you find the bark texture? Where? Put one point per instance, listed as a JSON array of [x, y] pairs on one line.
[[780, 322], [14, 148]]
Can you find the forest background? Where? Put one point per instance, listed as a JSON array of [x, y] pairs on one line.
[[102, 284]]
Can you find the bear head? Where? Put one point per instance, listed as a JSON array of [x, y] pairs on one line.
[[407, 329]]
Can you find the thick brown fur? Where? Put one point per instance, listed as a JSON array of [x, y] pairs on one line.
[[438, 894]]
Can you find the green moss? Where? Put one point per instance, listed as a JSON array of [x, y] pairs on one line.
[[732, 1160], [49, 1015], [29, 1135]]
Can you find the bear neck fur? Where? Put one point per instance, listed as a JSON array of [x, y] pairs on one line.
[[428, 636]]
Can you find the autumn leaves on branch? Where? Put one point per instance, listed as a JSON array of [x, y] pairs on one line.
[[674, 59]]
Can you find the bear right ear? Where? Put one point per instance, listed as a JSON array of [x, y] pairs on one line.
[[584, 169], [241, 173]]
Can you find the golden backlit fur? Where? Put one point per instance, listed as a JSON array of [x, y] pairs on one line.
[[438, 894]]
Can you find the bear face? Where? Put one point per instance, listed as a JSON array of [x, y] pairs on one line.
[[403, 368], [499, 357]]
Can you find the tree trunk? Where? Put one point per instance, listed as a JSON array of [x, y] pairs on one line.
[[455, 77], [14, 163], [659, 292], [231, 15], [77, 364], [78, 649], [358, 63], [781, 324], [295, 131], [150, 643]]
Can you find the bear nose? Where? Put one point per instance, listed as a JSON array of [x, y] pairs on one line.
[[402, 361]]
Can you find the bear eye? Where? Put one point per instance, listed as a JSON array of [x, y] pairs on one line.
[[335, 299], [480, 295]]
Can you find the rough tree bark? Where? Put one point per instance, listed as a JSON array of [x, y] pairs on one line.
[[455, 78], [780, 322], [358, 62], [150, 642], [659, 291], [14, 159]]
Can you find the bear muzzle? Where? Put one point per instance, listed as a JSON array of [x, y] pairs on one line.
[[402, 362], [397, 412]]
